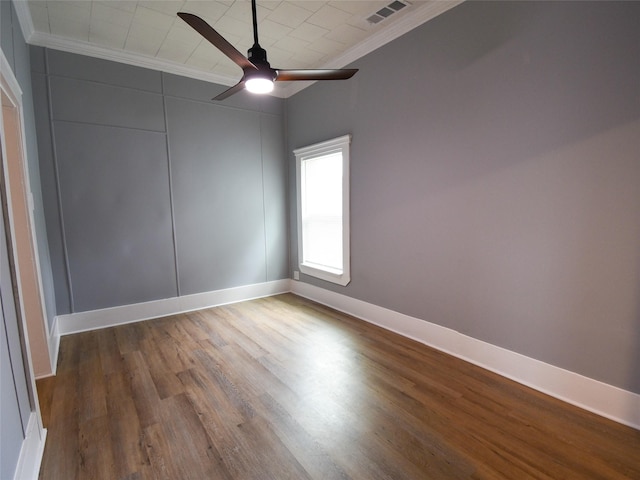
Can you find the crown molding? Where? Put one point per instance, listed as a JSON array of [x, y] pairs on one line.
[[84, 48], [24, 18], [417, 17]]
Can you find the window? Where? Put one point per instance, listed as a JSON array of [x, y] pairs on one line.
[[323, 209]]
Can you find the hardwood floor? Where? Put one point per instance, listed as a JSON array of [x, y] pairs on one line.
[[282, 388]]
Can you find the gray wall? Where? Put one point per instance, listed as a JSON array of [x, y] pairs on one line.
[[495, 178], [152, 190]]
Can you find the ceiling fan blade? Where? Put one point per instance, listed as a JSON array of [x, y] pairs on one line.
[[207, 31], [318, 74], [230, 91]]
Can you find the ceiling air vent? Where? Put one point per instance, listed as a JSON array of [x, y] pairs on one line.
[[387, 11]]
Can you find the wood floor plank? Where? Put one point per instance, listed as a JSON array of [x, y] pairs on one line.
[[91, 385], [220, 424], [192, 452], [207, 321], [220, 372], [126, 434], [299, 442], [110, 356], [282, 387], [227, 328], [95, 456], [158, 451], [143, 390], [162, 367]]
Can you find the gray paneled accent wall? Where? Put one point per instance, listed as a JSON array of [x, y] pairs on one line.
[[117, 215], [232, 217], [495, 178], [153, 190]]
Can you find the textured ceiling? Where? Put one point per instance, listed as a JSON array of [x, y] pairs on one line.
[[296, 34]]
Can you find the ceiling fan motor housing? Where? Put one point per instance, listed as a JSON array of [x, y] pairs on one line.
[[258, 56]]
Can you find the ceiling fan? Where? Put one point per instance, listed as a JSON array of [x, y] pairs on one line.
[[258, 76]]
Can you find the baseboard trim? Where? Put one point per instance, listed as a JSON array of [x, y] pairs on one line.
[[54, 346], [31, 452], [605, 400], [600, 398], [109, 317]]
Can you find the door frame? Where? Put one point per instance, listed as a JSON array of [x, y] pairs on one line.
[[18, 195]]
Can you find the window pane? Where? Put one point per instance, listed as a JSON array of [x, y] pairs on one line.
[[321, 184]]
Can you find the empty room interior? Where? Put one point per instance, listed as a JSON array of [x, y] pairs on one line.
[[414, 255]]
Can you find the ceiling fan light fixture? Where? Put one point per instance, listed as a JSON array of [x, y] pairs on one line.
[[259, 85]]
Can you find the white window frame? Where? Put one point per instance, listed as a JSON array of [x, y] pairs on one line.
[[340, 144]]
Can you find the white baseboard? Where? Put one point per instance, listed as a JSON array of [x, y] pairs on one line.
[[109, 317], [54, 347], [31, 452], [606, 400]]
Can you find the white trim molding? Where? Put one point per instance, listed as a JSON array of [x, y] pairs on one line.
[[137, 60], [9, 77], [30, 458], [54, 346], [597, 397], [109, 317], [24, 18]]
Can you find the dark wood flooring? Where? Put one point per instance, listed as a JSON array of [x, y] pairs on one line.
[[282, 388]]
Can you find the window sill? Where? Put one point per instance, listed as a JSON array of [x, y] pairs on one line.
[[342, 278]]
